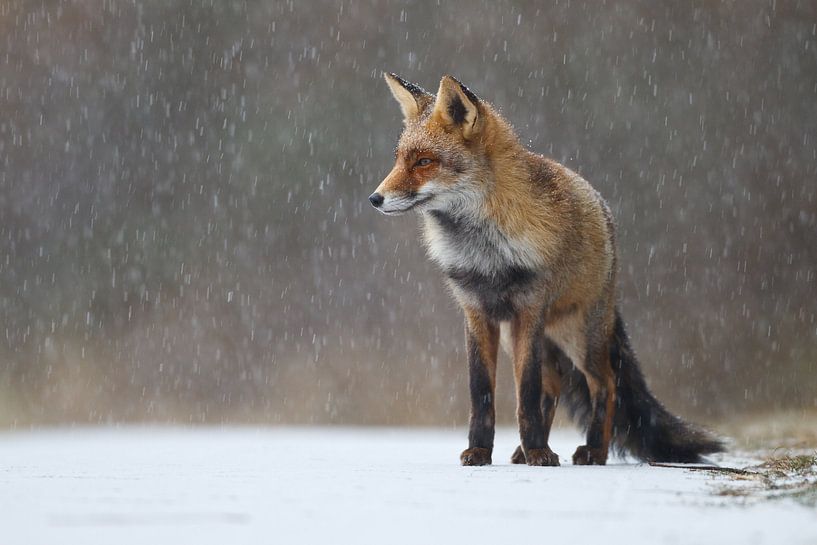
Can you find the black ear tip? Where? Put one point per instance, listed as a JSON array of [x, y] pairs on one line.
[[465, 90], [395, 77], [415, 90], [455, 80]]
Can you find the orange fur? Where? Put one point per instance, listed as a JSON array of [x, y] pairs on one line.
[[523, 241]]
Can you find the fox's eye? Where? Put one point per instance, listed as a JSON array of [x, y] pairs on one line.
[[425, 161]]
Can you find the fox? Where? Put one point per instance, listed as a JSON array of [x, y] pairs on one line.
[[528, 250]]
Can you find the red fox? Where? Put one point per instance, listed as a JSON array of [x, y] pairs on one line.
[[528, 250]]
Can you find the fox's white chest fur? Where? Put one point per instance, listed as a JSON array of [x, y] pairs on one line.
[[484, 267], [473, 243]]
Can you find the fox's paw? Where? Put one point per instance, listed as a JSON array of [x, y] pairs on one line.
[[541, 457], [588, 456], [476, 457], [535, 457], [518, 457]]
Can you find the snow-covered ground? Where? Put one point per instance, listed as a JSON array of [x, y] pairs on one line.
[[346, 485]]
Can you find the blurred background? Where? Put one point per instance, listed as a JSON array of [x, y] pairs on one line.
[[185, 236]]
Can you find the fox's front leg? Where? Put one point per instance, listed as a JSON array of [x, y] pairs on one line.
[[482, 342], [534, 412], [551, 386]]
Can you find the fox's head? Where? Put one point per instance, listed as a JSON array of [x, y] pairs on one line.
[[441, 154]]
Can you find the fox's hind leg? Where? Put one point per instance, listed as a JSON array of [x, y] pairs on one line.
[[600, 381], [585, 341], [482, 342], [551, 388]]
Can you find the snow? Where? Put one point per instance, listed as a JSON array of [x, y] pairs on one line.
[[350, 485]]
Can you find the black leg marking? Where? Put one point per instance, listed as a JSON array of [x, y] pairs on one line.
[[549, 404], [595, 432], [599, 430], [551, 383], [535, 431], [531, 425], [481, 432]]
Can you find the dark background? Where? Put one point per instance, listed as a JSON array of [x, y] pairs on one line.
[[185, 235]]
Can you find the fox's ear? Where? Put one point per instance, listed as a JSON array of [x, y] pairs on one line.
[[413, 99], [458, 107]]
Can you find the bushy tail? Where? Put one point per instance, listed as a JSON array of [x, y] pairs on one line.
[[641, 425]]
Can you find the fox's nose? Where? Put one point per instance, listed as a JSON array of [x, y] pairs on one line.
[[376, 199]]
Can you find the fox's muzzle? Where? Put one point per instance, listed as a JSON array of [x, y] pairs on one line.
[[376, 199], [399, 192]]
